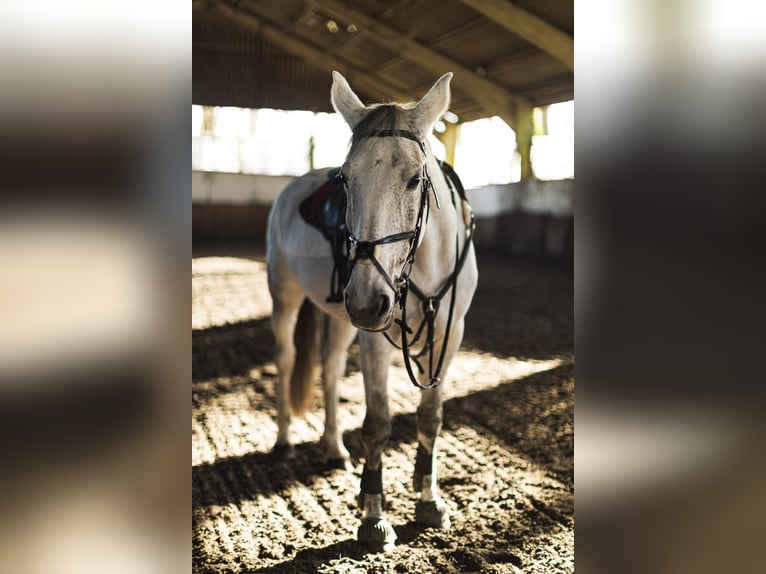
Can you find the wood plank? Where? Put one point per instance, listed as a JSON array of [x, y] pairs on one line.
[[311, 53], [495, 98], [526, 25]]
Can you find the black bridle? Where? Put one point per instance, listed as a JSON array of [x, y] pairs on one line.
[[365, 250], [357, 250]]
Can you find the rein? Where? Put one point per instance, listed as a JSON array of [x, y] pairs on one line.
[[402, 284]]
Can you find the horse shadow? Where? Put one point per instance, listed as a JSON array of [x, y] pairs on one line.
[[246, 477], [232, 349], [308, 559], [235, 349]]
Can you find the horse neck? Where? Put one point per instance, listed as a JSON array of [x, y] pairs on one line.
[[435, 257]]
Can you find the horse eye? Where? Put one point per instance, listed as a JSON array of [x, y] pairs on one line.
[[414, 182]]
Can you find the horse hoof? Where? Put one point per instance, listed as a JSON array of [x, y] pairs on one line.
[[432, 513], [376, 535], [282, 452]]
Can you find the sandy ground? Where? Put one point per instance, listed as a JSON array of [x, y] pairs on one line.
[[506, 451]]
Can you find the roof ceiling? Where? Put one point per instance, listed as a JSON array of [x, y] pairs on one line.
[[279, 54]]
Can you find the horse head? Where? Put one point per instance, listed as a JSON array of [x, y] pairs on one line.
[[387, 185]]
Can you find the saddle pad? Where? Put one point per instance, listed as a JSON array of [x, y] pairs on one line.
[[325, 208]]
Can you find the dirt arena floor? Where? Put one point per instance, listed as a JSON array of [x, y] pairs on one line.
[[506, 460]]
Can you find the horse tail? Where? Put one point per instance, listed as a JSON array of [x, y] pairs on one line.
[[306, 339]]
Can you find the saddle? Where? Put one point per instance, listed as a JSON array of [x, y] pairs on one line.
[[325, 210]]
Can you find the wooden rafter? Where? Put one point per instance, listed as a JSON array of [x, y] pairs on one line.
[[561, 85], [515, 60], [457, 34], [445, 39], [526, 25], [495, 98], [396, 7], [318, 57]]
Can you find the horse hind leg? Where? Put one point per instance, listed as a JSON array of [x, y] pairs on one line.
[[287, 304], [338, 335]]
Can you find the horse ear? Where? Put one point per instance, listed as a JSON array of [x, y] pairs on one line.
[[345, 101], [434, 104]]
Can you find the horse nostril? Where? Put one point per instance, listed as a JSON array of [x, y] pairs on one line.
[[385, 305]]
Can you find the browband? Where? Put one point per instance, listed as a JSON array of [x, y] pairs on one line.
[[400, 133]]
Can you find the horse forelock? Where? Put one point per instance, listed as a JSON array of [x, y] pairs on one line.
[[380, 117]]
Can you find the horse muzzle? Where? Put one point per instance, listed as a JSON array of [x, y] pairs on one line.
[[374, 311]]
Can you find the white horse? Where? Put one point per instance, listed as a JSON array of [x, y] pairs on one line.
[[399, 242]]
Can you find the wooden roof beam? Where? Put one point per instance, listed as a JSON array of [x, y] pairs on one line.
[[320, 58], [526, 25], [495, 98]]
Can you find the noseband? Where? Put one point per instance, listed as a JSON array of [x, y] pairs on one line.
[[357, 250]]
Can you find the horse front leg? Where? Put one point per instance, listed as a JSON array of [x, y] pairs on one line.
[[375, 532], [431, 509]]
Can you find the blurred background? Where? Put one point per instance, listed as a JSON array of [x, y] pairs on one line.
[[94, 243], [668, 288]]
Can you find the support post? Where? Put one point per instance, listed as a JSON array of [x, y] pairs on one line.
[[449, 139], [208, 120], [312, 146], [524, 128]]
